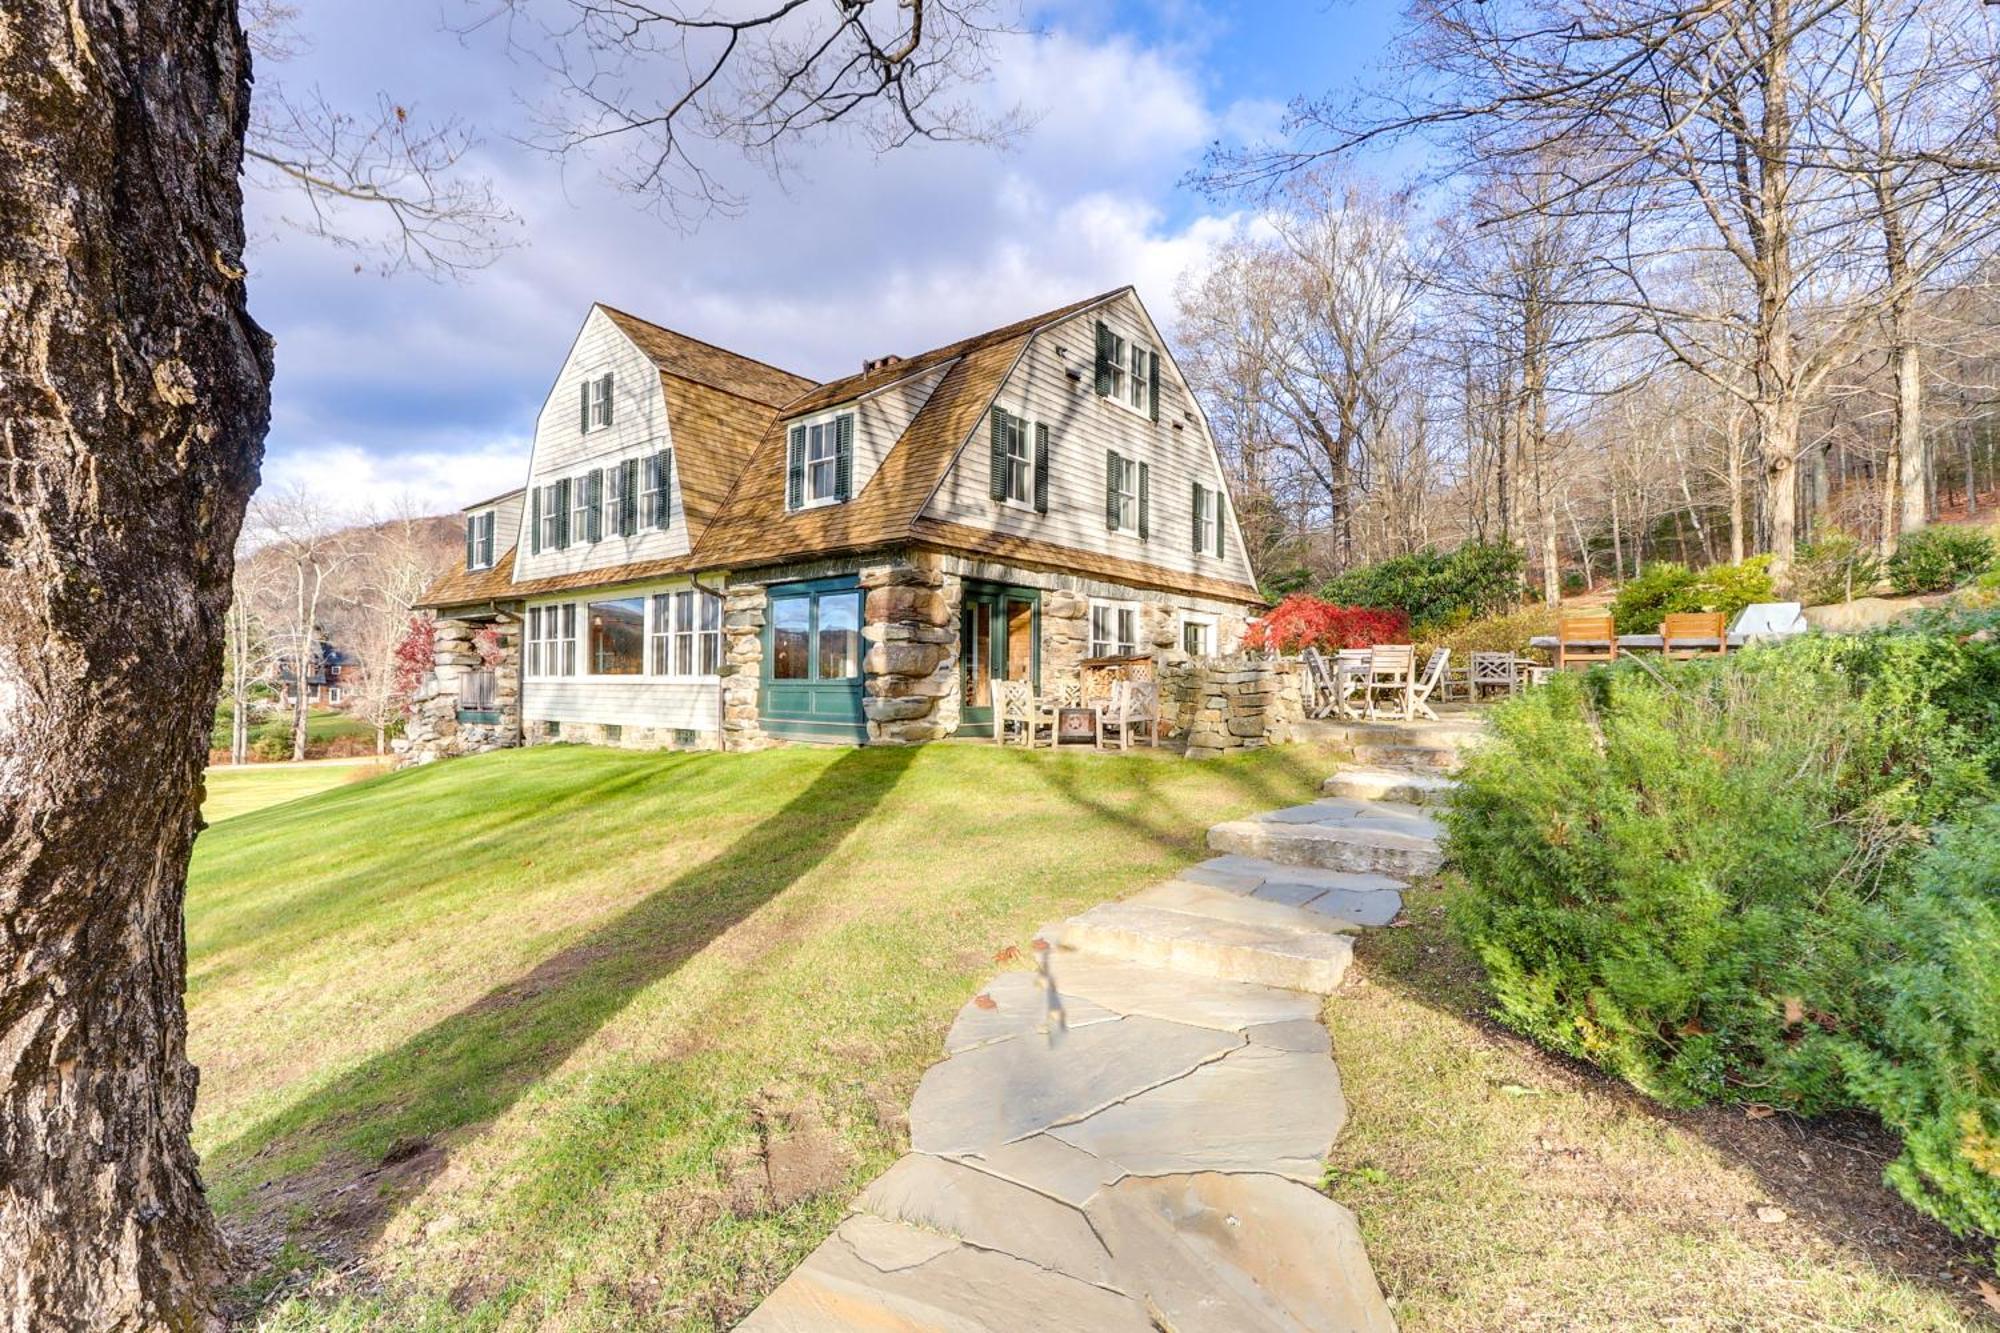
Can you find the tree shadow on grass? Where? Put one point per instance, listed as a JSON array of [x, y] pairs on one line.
[[342, 1160]]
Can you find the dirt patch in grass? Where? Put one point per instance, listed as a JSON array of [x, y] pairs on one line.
[[1502, 1187]]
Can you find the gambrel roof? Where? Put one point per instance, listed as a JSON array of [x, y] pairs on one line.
[[728, 416]]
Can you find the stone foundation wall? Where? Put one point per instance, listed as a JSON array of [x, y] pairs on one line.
[[743, 610], [1232, 703], [618, 736], [433, 730]]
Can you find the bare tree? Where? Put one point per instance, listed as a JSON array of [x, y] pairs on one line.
[[249, 653], [308, 545], [395, 559]]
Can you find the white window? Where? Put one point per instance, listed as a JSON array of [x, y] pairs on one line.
[[579, 500], [823, 462], [1207, 507], [1197, 634], [686, 638], [1141, 379], [1014, 438], [1118, 380], [1114, 629], [552, 640], [479, 540], [599, 394], [551, 518], [1124, 477], [333, 694]]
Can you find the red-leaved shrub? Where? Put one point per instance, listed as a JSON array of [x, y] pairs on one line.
[[413, 655], [1304, 621]]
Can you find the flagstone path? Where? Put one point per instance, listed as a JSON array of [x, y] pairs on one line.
[[1132, 1136]]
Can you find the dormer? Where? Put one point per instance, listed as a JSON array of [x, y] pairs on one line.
[[480, 527], [819, 467]]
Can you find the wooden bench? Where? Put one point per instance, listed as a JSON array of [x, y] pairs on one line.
[[1694, 634], [1585, 639]]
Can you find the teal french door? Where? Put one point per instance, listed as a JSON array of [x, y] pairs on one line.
[[999, 638], [812, 662]]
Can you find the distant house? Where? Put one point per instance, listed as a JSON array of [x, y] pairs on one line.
[[328, 673], [711, 551]]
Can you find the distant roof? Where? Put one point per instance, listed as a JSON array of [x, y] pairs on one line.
[[492, 500]]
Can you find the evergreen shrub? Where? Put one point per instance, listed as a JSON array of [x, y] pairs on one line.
[[1938, 559], [1437, 589]]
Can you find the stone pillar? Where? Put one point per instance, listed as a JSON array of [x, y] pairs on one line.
[[1234, 704], [433, 729], [742, 671], [910, 667], [1065, 637]]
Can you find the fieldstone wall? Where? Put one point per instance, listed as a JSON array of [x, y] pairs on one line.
[[743, 610], [1232, 703], [1065, 636], [433, 730], [909, 634]]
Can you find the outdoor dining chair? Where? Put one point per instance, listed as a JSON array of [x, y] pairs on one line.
[[1694, 634], [1350, 678], [1432, 678], [1134, 704], [1392, 672], [1014, 703], [1322, 686], [1585, 639], [1494, 671]]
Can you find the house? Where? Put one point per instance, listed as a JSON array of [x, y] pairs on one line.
[[328, 671], [711, 551]]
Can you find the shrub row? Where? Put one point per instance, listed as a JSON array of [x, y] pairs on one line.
[[1719, 885], [1666, 588], [1437, 589]]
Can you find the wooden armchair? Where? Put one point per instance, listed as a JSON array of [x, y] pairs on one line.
[[1323, 688], [1585, 639], [1392, 673], [1434, 675], [1694, 634], [1494, 671], [1134, 704], [1014, 704]]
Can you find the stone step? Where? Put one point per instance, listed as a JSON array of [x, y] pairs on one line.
[[1205, 946], [1244, 909], [1338, 834], [1365, 898], [1417, 758], [1448, 733], [1367, 783]]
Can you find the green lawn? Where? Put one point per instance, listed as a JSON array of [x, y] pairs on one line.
[[583, 1039], [238, 789]]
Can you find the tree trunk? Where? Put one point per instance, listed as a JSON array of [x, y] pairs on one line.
[[135, 397], [1906, 488]]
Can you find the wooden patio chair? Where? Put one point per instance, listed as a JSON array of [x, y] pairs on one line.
[[1433, 676], [1321, 685], [1392, 671], [1350, 677], [1134, 704], [1014, 702], [1585, 639], [1494, 671], [1694, 634]]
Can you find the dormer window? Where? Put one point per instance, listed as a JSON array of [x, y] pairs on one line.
[[595, 403], [479, 540], [820, 463]]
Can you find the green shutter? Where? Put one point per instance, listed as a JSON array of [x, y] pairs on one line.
[[1144, 501], [534, 520], [1103, 359], [1197, 518], [1153, 382], [996, 482], [1041, 467], [843, 463], [795, 474], [1111, 489], [472, 542], [593, 497], [663, 512], [608, 399], [628, 498], [583, 420], [562, 514], [1221, 528]]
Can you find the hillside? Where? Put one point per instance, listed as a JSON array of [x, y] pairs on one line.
[[595, 1039]]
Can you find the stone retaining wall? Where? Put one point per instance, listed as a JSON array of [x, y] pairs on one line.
[[1232, 703]]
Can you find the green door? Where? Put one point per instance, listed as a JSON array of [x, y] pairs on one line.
[[999, 638], [812, 662]]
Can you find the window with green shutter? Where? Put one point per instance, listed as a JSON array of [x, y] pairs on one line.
[[820, 467], [1122, 492], [659, 490]]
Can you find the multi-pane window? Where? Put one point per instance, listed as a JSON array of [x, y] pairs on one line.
[[551, 518], [1118, 377], [532, 649], [1140, 380], [479, 540], [658, 498], [1198, 635], [552, 640], [822, 460], [566, 638], [1114, 629], [686, 636], [600, 401], [1207, 503], [1014, 440], [1124, 477], [580, 505]]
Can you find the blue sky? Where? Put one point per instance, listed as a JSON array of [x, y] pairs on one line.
[[401, 388]]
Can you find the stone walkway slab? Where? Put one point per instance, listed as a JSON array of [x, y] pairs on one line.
[[985, 1211], [1157, 992], [1019, 1007], [1205, 947]]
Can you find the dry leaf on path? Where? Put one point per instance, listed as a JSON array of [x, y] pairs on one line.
[[984, 1001]]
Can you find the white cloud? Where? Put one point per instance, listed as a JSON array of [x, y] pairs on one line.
[[406, 386]]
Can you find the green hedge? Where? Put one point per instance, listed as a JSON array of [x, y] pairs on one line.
[[1700, 880], [1436, 589], [1666, 588], [1938, 559]]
